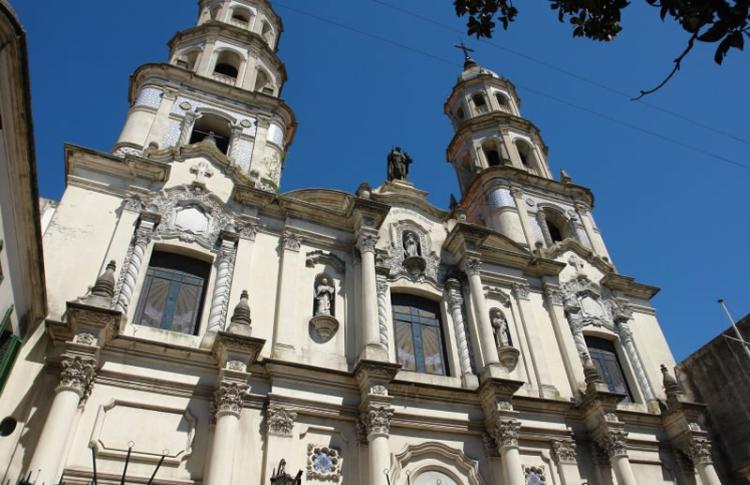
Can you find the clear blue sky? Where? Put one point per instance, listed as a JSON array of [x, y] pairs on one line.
[[671, 216]]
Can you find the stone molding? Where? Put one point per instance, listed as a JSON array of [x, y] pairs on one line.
[[699, 450], [291, 241], [280, 420], [367, 239], [521, 290], [228, 398], [564, 451], [473, 266], [505, 432], [614, 442]]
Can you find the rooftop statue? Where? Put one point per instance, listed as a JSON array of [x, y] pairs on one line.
[[398, 164]]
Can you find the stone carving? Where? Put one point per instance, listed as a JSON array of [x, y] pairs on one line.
[[105, 283], [236, 365], [85, 338], [202, 170], [534, 475], [398, 164], [376, 419], [614, 442], [410, 253], [241, 313], [77, 374], [455, 305], [366, 241], [505, 433], [378, 390], [248, 230], [291, 241], [134, 260], [473, 266], [280, 421], [699, 450], [329, 259], [411, 245], [220, 299], [500, 328], [228, 398], [279, 476], [626, 337], [521, 290], [324, 295], [553, 294], [382, 289], [323, 463], [498, 294], [564, 451]]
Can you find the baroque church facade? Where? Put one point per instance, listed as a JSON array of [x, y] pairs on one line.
[[206, 327]]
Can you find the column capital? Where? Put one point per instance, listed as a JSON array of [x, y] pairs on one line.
[[291, 241], [228, 398], [472, 265], [516, 191], [698, 449], [614, 442], [505, 432], [376, 419], [280, 420], [553, 294], [367, 238], [521, 290], [564, 451], [77, 374]]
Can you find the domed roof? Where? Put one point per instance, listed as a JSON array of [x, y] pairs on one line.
[[472, 70]]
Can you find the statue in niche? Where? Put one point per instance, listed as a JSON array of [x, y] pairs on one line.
[[324, 294], [411, 245], [500, 328], [398, 164]]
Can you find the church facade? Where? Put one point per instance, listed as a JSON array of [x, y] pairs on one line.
[[209, 329]]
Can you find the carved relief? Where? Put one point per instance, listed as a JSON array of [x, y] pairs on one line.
[[411, 253], [323, 324], [323, 463], [564, 451], [279, 420], [614, 442], [521, 290], [228, 398], [382, 289], [77, 374], [699, 450], [455, 305], [534, 475], [366, 241], [376, 419], [505, 433]]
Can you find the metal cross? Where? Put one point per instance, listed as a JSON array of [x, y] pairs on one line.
[[466, 50]]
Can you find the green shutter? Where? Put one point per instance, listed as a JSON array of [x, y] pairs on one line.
[[9, 346]]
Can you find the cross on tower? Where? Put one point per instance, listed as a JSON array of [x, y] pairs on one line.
[[466, 50]]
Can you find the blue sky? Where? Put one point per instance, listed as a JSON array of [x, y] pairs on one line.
[[672, 216]]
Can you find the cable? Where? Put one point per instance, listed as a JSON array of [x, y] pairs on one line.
[[568, 73], [529, 89]]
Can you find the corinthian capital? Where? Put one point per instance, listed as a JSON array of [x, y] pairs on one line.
[[228, 398], [77, 374], [473, 266], [614, 442], [280, 420], [366, 240], [564, 451], [376, 418], [505, 433], [554, 294], [521, 290], [291, 241], [699, 450]]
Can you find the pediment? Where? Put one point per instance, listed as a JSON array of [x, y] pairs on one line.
[[554, 252], [334, 200]]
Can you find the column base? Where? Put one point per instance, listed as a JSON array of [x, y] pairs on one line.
[[283, 352], [470, 381], [494, 370], [374, 352]]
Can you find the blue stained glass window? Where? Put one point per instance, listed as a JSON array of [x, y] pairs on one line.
[[604, 356], [419, 334]]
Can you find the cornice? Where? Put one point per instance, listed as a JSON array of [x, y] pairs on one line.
[[629, 286], [492, 120], [478, 79], [128, 167], [570, 244]]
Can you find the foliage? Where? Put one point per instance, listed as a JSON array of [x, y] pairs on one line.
[[721, 22]]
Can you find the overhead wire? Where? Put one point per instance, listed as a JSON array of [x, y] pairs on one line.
[[557, 99], [571, 74]]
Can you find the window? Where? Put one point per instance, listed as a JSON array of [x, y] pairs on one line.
[[188, 60], [502, 100], [491, 153], [228, 64], [479, 102], [267, 32], [419, 334], [605, 358], [173, 292], [241, 17], [9, 346], [526, 153], [554, 232], [263, 82], [214, 130]]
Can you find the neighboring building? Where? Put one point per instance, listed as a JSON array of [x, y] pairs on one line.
[[232, 328], [718, 374], [22, 296]]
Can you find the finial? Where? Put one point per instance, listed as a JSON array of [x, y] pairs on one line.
[[105, 283], [468, 61], [564, 177], [241, 314], [671, 386]]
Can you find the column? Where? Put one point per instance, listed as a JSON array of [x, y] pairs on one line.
[[224, 272], [228, 404], [455, 305], [505, 434], [564, 455], [206, 58], [259, 143], [161, 120], [186, 127], [78, 370], [699, 451], [553, 299], [626, 336], [614, 443], [134, 260], [236, 140], [541, 219], [371, 345], [523, 214], [594, 238], [250, 73], [472, 267], [376, 422], [279, 434], [382, 284], [284, 331]]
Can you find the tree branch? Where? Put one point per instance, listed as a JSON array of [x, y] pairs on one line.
[[677, 64]]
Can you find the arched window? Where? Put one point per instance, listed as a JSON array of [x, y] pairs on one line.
[[227, 66], [604, 356], [555, 226], [419, 334], [241, 17], [267, 32], [173, 293], [555, 232], [214, 130], [188, 60], [526, 153], [491, 153], [503, 101], [263, 82], [479, 102]]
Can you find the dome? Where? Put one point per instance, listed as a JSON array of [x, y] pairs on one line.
[[472, 70]]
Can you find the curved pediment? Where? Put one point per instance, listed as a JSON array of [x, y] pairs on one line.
[[554, 252], [335, 200]]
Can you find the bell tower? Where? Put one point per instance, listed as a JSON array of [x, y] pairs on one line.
[[221, 88], [503, 173]]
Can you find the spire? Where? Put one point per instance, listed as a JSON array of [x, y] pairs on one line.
[[468, 61], [671, 387], [105, 283], [240, 322]]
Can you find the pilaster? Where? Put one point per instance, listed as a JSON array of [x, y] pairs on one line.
[[521, 293], [553, 301], [565, 457], [523, 214], [134, 260], [285, 333]]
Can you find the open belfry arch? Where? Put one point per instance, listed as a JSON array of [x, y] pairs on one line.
[[202, 320]]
